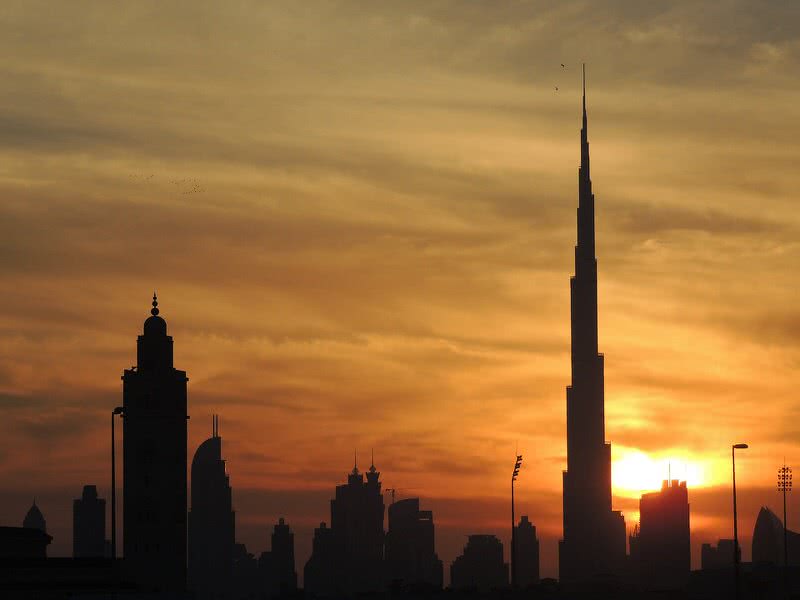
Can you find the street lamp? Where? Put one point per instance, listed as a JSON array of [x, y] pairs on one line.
[[785, 485], [736, 553], [514, 475], [119, 410]]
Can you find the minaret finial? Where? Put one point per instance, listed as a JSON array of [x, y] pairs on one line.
[[154, 310]]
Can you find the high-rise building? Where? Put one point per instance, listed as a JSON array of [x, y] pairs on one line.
[[661, 554], [319, 574], [278, 564], [481, 565], [357, 522], [527, 555], [89, 524], [410, 546], [594, 536], [211, 521], [768, 540], [154, 463]]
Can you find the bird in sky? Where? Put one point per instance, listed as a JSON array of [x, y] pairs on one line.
[[556, 88], [562, 65]]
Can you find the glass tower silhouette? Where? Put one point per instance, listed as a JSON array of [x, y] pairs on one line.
[[594, 535], [154, 463], [212, 521]]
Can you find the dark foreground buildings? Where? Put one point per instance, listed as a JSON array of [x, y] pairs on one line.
[[154, 463], [348, 558], [411, 559], [660, 552], [481, 566], [319, 575], [89, 525], [211, 521], [527, 555], [277, 566], [594, 535]]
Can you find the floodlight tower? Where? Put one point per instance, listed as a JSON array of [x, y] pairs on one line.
[[785, 485]]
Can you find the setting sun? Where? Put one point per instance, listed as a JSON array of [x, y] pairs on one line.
[[633, 472]]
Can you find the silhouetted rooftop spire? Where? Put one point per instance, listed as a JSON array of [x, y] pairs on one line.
[[154, 310], [372, 460], [355, 462], [584, 133], [584, 95]]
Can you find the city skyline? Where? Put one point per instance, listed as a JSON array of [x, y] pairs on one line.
[[394, 248]]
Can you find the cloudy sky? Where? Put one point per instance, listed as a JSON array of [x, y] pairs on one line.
[[360, 219]]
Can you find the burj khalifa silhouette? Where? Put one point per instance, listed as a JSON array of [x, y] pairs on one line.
[[594, 535]]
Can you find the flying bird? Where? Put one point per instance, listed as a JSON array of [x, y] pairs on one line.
[[562, 65], [556, 88]]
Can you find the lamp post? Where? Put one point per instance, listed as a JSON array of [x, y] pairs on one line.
[[736, 553], [785, 485], [119, 410], [514, 475]]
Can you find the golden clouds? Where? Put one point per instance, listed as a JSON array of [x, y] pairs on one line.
[[380, 252]]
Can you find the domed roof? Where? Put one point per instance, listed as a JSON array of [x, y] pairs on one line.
[[35, 519], [155, 325], [209, 451]]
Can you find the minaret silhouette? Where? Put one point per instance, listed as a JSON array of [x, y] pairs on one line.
[[154, 463], [594, 535]]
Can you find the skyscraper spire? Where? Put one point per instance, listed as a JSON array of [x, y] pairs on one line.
[[584, 95], [585, 137]]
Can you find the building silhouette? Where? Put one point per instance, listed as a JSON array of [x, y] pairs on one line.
[[527, 555], [411, 558], [660, 549], [357, 522], [211, 521], [277, 565], [154, 462], [23, 542], [89, 524], [594, 536], [768, 540], [319, 574], [247, 579], [717, 557], [347, 559], [481, 565], [34, 519]]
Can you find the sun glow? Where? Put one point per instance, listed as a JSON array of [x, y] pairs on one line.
[[633, 472]]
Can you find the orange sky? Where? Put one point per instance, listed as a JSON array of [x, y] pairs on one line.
[[360, 221]]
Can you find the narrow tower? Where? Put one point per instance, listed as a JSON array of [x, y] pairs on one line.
[[211, 521], [594, 535], [154, 463]]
